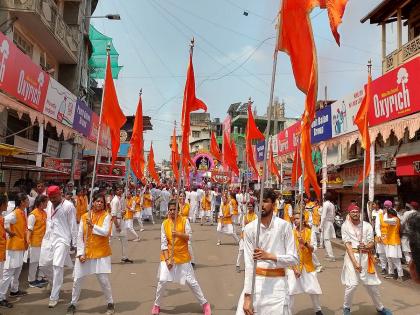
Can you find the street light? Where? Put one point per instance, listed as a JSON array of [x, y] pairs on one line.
[[108, 16]]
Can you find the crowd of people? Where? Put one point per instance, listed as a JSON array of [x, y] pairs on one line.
[[54, 227]]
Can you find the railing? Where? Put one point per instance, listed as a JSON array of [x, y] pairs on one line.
[[50, 16], [401, 55]]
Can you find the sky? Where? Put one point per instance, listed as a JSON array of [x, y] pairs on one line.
[[233, 56]]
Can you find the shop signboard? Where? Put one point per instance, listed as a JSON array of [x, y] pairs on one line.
[[60, 103], [343, 113], [260, 147], [20, 77], [288, 139], [109, 170], [53, 147], [93, 133], [221, 177], [82, 118], [63, 165], [396, 94], [321, 126]]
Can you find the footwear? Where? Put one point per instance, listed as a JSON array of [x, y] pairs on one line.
[[238, 269], [346, 311], [43, 282], [383, 272], [6, 304], [35, 284], [332, 259], [18, 293], [389, 276], [385, 311], [52, 304], [319, 313], [71, 309], [137, 239], [206, 309], [126, 260], [318, 268], [110, 309], [155, 310], [219, 243], [193, 265], [141, 230]]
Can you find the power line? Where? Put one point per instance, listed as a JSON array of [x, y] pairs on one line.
[[248, 11]]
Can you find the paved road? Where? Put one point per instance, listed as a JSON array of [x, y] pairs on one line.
[[134, 285]]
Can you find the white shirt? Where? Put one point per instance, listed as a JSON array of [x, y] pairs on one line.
[[328, 213], [61, 223], [31, 221], [116, 207], [193, 199], [405, 217], [351, 233], [276, 239]]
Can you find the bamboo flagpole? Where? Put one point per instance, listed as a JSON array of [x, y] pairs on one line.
[[92, 186], [363, 186], [267, 135]]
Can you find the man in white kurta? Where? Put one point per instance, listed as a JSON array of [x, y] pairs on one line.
[[276, 251], [118, 228], [405, 246], [327, 225], [60, 234], [356, 270], [165, 195], [194, 204]]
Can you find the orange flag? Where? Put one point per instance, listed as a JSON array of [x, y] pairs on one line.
[[252, 133], [214, 148], [190, 104], [335, 10], [361, 120], [137, 143], [175, 159], [151, 166], [229, 159], [234, 149], [112, 114], [297, 167], [272, 164]]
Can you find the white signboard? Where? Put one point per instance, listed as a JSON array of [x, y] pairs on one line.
[[343, 113], [53, 147]]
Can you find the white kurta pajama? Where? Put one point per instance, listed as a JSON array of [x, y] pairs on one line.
[[60, 233], [116, 211], [405, 246], [12, 265], [327, 226], [228, 228], [349, 277], [33, 255], [101, 267], [271, 293], [393, 252], [179, 273], [380, 247]]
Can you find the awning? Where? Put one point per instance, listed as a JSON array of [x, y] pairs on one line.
[[29, 168], [9, 150]]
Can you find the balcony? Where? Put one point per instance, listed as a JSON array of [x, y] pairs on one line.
[[402, 55], [47, 26]]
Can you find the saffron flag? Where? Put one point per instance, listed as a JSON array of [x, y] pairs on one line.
[[252, 133], [214, 148], [112, 114], [175, 158], [234, 149], [190, 104], [361, 120], [151, 166], [229, 159], [272, 164], [335, 10], [296, 167], [137, 143]]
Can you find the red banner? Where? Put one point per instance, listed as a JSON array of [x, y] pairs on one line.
[[20, 77], [107, 170], [63, 165], [288, 139], [396, 94]]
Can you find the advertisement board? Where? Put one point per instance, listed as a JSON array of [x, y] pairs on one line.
[[20, 77], [109, 170], [259, 148], [321, 126], [63, 165], [396, 94], [82, 118], [343, 113], [288, 139], [60, 103]]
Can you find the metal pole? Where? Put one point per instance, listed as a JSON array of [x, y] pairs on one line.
[[180, 182], [97, 138], [302, 207], [267, 134]]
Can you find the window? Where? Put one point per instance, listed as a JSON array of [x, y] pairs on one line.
[[196, 134], [24, 45]]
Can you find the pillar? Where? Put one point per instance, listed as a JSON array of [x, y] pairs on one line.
[[324, 151], [383, 40], [372, 173], [399, 28], [40, 147]]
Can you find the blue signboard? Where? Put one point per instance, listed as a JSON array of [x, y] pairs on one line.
[[321, 128], [260, 150]]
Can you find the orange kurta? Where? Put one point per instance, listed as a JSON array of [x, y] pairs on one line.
[[2, 240], [96, 246], [180, 253], [304, 253], [39, 227], [18, 242], [81, 207]]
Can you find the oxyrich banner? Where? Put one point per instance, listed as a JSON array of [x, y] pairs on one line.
[[321, 126], [396, 94]]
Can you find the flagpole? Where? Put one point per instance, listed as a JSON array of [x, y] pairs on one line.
[[267, 135], [363, 185], [180, 183], [92, 186]]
